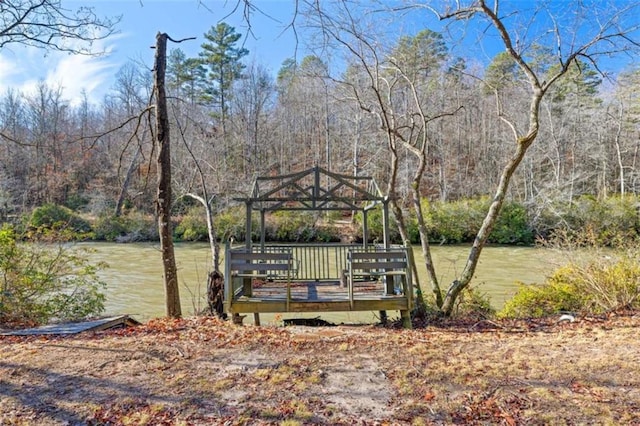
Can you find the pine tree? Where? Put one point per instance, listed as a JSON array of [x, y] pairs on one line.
[[185, 76], [223, 60]]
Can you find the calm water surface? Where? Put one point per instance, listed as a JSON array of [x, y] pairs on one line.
[[135, 287]]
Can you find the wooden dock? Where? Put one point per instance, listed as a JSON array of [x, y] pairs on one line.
[[101, 324], [318, 278]]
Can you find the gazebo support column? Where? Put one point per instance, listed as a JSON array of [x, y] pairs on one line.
[[262, 230], [388, 280], [256, 315], [247, 290], [247, 237], [365, 229]]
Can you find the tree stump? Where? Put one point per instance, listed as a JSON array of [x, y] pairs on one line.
[[215, 294]]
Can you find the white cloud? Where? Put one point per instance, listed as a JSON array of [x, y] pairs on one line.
[[22, 68], [77, 73], [10, 71]]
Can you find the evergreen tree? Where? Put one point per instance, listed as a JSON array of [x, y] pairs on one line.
[[222, 58], [419, 56], [501, 73], [185, 76], [286, 73]]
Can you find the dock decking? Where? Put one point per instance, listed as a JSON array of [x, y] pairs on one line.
[[321, 296]]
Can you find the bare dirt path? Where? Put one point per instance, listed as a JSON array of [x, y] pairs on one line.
[[202, 371]]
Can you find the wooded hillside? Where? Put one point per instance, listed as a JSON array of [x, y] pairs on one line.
[[232, 120]]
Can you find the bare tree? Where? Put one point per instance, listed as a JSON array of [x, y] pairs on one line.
[[613, 34], [392, 93], [163, 201], [578, 42], [46, 24], [251, 105]]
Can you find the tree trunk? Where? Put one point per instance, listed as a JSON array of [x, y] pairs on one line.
[[424, 237], [163, 203], [489, 221], [127, 181], [213, 243], [215, 291]]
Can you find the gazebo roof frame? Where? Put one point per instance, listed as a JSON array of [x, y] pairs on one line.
[[305, 191]]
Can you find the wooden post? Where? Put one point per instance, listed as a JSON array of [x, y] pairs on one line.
[[262, 230], [228, 279], [406, 319], [247, 238], [365, 229]]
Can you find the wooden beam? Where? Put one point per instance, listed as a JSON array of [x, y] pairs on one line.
[[254, 305]]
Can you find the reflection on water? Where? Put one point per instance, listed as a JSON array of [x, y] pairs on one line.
[[135, 286]]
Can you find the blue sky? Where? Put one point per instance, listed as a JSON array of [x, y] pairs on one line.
[[23, 68], [271, 43]]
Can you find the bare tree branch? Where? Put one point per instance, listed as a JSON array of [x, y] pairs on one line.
[[46, 24]]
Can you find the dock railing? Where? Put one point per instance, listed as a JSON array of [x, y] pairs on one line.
[[316, 262], [319, 262]]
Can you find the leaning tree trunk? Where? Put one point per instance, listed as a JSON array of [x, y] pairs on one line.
[[422, 230], [402, 227], [489, 221], [215, 282], [163, 203], [127, 181]]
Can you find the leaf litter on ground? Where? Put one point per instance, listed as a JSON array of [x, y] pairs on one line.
[[205, 371]]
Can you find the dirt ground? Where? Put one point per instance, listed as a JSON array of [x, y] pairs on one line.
[[201, 371]]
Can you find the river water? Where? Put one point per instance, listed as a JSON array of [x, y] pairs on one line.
[[135, 286]]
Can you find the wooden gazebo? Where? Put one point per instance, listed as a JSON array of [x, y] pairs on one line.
[[317, 277], [305, 191]]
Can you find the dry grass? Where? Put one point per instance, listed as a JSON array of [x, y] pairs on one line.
[[201, 371]]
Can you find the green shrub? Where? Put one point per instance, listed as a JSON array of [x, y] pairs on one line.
[[129, 228], [326, 234], [454, 222], [472, 304], [412, 229], [459, 221], [535, 300], [52, 219], [232, 223], [192, 226], [609, 284], [590, 221], [375, 226], [40, 283], [291, 226], [512, 226], [109, 228], [601, 285]]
